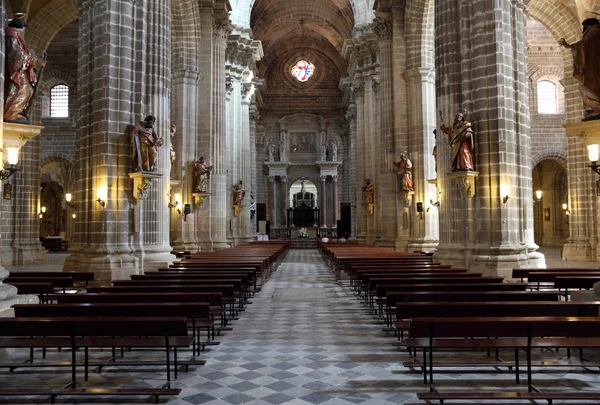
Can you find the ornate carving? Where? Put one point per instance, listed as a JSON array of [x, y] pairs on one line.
[[141, 183], [383, 28], [358, 89], [221, 30]]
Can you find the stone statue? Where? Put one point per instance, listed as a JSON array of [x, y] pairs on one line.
[[21, 65], [282, 157], [145, 143], [586, 69], [324, 151], [201, 175], [404, 173], [238, 193], [434, 153], [461, 142], [369, 191], [334, 150], [172, 155], [271, 150]]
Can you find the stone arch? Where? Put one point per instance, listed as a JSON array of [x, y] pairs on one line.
[[419, 34], [552, 74], [48, 22], [568, 27], [186, 36], [362, 9], [557, 155]]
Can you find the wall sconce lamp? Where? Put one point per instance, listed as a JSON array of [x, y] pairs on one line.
[[69, 200], [42, 212], [504, 193], [13, 159], [74, 216], [566, 209], [538, 196], [187, 209], [594, 156], [176, 204], [420, 209], [101, 193]]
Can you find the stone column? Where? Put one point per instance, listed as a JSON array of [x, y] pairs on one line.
[[385, 141], [8, 293], [495, 96], [245, 233], [185, 87], [361, 209], [103, 234], [220, 189], [272, 199], [254, 118], [156, 250], [422, 122], [334, 199], [203, 139], [351, 169], [323, 205], [283, 201], [25, 243]]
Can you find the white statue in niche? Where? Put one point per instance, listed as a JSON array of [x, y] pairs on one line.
[[334, 150]]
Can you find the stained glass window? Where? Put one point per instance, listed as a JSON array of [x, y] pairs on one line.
[[303, 70]]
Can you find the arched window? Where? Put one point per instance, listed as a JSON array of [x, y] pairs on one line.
[[59, 101], [547, 97]]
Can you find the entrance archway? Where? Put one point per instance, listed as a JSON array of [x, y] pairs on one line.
[[551, 221]]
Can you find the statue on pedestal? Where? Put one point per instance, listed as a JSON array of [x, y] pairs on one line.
[[238, 193], [21, 66], [145, 143], [202, 175], [461, 142], [369, 191], [586, 66], [172, 155], [404, 173]]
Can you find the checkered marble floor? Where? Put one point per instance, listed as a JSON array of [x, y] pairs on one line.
[[305, 339]]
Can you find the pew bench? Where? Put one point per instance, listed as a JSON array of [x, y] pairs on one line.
[[516, 333], [100, 332], [512, 396]]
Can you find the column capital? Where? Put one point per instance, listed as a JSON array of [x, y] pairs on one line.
[[383, 28], [358, 88], [425, 74], [323, 178], [283, 179], [271, 179], [221, 30], [335, 177]]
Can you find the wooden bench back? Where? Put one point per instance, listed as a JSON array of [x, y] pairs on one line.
[[393, 298], [213, 298], [491, 327], [198, 310], [406, 310], [226, 290], [70, 326], [383, 290]]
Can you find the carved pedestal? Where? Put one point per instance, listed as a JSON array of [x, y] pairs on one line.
[[465, 181], [142, 182]]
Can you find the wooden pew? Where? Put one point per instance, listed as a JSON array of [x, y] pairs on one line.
[[198, 314], [440, 309], [514, 333], [394, 298], [523, 273], [382, 290], [88, 333], [78, 277], [214, 299], [227, 291], [544, 279], [58, 282], [583, 282], [45, 291]]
